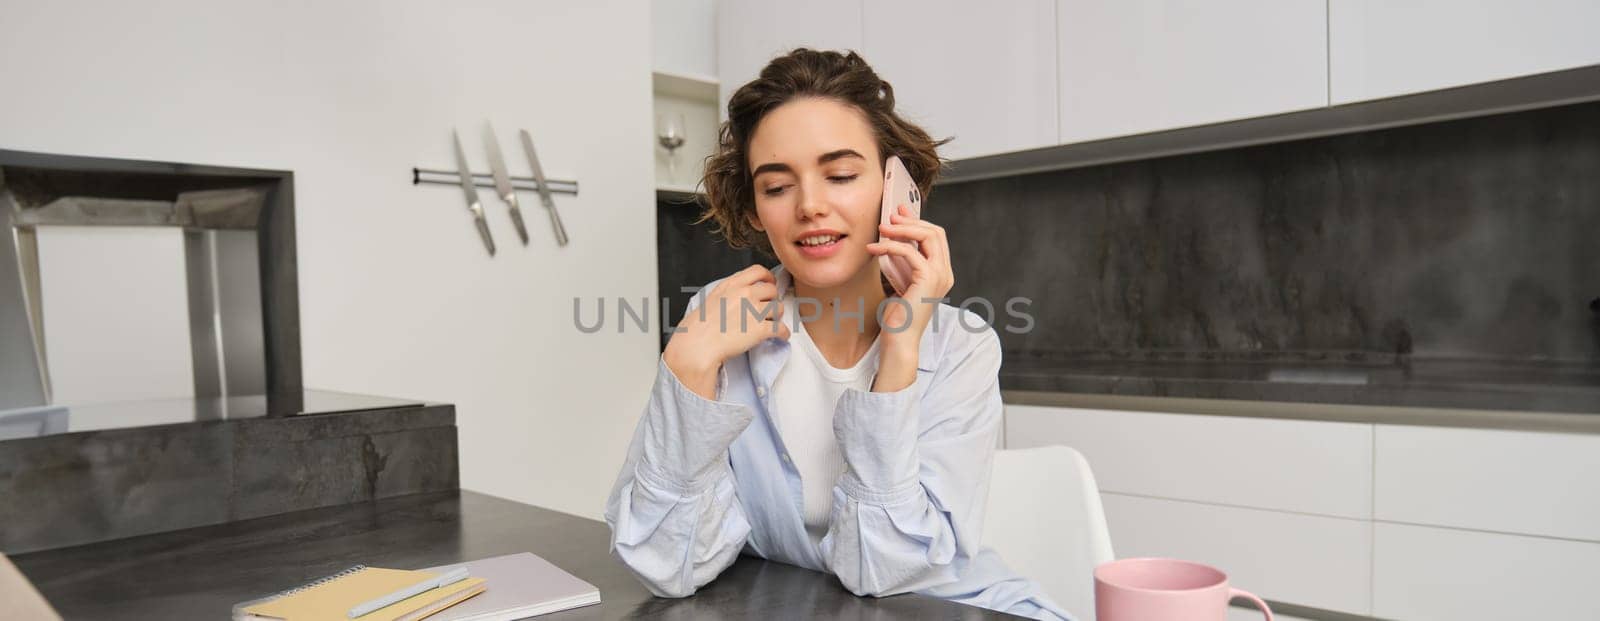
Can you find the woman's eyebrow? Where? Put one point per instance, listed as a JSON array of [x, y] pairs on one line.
[[770, 167], [821, 159], [840, 154]]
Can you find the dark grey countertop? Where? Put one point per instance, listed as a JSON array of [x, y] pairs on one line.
[[1542, 397], [199, 573], [80, 488]]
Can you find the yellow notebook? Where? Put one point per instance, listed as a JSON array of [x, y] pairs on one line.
[[332, 599]]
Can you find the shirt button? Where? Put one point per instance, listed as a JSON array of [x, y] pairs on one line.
[[786, 459], [761, 391]]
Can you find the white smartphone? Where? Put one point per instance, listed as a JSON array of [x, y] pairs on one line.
[[898, 189]]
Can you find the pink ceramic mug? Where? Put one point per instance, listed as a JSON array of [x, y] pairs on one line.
[[1151, 589]]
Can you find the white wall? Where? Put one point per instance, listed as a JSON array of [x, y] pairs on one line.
[[115, 302], [396, 294]]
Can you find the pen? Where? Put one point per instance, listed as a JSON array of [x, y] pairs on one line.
[[451, 577]]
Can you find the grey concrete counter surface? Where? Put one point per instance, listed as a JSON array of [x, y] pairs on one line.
[[1551, 422], [199, 573]]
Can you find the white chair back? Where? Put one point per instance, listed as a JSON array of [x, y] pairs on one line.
[[1045, 520]]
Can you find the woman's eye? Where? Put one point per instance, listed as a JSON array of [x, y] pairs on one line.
[[843, 178], [776, 190]]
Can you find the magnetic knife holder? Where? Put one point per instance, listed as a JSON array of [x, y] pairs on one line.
[[486, 180]]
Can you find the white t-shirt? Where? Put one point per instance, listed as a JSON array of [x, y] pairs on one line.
[[804, 395]]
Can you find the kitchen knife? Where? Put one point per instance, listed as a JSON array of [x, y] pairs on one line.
[[544, 188], [472, 194], [502, 180]]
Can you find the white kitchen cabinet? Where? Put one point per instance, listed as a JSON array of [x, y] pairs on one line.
[[983, 73], [1384, 48], [1396, 521], [751, 32], [1137, 66], [1291, 465], [1305, 559], [1422, 573], [1487, 479], [683, 37]]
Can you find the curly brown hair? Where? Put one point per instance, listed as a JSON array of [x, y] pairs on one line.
[[842, 77]]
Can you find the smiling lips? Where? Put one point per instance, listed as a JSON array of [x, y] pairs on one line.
[[820, 244]]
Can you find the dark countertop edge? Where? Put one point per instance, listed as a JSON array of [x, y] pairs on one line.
[[63, 161], [419, 410], [1559, 422]]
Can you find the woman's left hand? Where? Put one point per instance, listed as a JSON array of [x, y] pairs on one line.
[[931, 279]]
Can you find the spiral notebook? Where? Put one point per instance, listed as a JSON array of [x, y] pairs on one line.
[[524, 586], [331, 598]]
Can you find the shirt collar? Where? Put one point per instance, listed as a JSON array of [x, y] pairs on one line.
[[768, 356]]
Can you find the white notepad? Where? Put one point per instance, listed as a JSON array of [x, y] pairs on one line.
[[520, 586]]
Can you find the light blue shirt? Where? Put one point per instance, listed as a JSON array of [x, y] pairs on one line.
[[705, 480]]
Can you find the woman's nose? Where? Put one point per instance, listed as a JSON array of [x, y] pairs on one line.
[[813, 202]]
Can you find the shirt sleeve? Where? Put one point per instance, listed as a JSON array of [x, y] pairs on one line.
[[675, 520], [908, 510]]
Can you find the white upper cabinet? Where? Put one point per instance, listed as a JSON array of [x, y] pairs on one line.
[[982, 73], [1384, 48], [1137, 66], [683, 38], [751, 32], [1003, 77]]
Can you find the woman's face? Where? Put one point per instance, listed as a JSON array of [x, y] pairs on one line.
[[819, 188]]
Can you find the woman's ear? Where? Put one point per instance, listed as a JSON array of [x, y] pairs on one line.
[[755, 221]]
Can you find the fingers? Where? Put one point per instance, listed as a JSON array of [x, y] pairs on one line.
[[929, 235], [756, 319], [779, 328], [911, 227], [755, 282], [762, 291], [906, 218], [774, 325], [918, 230], [760, 309], [930, 259], [750, 275], [919, 263]]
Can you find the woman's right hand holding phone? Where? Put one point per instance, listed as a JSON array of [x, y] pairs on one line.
[[722, 327]]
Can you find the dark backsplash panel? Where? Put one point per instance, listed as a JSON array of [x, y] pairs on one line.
[[691, 255], [1452, 265], [1476, 239]]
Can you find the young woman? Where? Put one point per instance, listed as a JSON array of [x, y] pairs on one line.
[[802, 415]]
